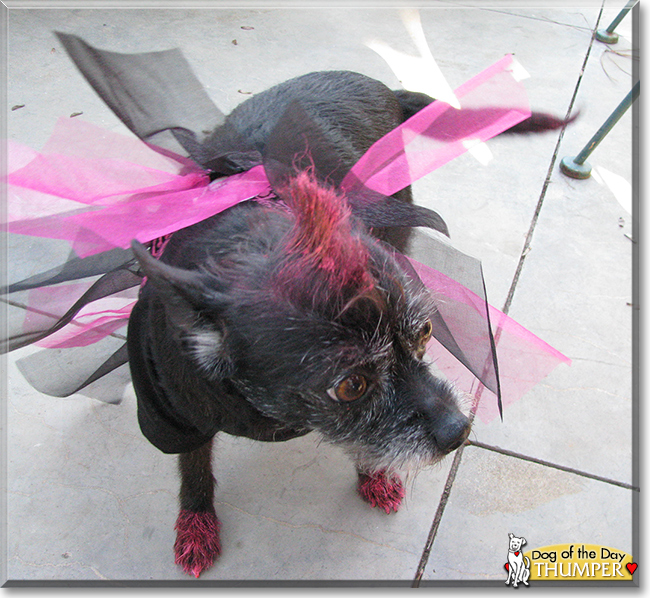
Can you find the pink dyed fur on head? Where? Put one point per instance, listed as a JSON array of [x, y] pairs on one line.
[[323, 238]]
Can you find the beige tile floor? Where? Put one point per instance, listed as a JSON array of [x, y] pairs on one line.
[[89, 500]]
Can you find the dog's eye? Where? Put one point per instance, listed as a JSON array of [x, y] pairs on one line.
[[425, 333], [423, 339], [351, 389]]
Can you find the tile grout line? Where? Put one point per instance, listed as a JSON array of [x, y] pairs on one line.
[[522, 457], [444, 498], [540, 202], [540, 19], [451, 477]]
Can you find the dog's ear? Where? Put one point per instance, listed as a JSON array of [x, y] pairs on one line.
[[192, 304], [179, 287]]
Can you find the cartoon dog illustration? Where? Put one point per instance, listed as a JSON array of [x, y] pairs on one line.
[[518, 565]]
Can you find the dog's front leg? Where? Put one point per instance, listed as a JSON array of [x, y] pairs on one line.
[[381, 490], [197, 527]]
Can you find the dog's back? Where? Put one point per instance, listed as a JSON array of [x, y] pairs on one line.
[[351, 110]]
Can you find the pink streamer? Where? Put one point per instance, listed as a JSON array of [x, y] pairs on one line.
[[99, 190], [89, 327], [491, 102], [98, 202], [524, 359], [95, 321]]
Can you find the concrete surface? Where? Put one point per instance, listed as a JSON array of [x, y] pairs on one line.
[[88, 499]]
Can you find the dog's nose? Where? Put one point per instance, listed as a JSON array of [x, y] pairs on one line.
[[451, 433]]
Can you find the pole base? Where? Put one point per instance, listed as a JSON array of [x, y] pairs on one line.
[[602, 35], [577, 171]]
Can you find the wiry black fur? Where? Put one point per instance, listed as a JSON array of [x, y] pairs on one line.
[[217, 344]]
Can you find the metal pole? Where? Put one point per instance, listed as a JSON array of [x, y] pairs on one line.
[[577, 167], [608, 36]]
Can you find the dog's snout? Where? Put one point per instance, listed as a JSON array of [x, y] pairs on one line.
[[452, 432], [436, 407]]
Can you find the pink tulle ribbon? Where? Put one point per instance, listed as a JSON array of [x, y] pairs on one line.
[[491, 102], [100, 202], [524, 359], [98, 190], [93, 322]]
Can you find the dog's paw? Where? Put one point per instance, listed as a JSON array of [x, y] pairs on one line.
[[381, 491], [197, 541]]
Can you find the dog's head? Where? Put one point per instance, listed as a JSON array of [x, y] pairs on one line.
[[315, 322], [516, 543]]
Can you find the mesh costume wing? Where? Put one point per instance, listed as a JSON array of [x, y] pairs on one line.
[[96, 191]]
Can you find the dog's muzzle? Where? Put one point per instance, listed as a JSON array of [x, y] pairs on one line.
[[436, 402]]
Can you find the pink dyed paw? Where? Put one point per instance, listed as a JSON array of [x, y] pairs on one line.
[[197, 541], [381, 491]]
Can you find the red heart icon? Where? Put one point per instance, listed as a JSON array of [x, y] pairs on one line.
[[631, 567], [517, 553], [507, 566]]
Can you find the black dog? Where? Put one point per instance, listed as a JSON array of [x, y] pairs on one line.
[[274, 319]]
